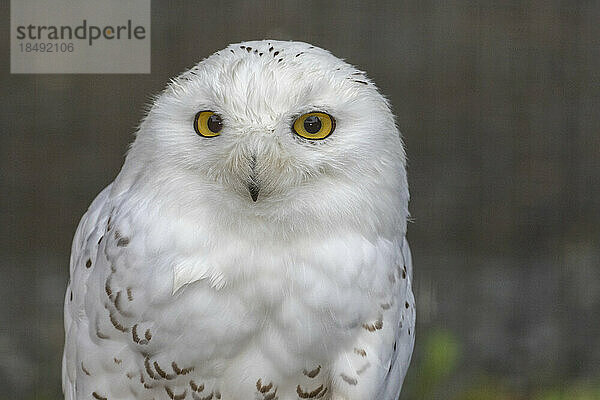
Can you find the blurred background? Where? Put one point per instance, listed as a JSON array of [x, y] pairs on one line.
[[499, 106]]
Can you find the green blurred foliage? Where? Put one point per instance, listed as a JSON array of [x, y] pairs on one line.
[[439, 361]]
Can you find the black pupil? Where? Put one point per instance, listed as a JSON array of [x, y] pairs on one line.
[[214, 123], [312, 124]]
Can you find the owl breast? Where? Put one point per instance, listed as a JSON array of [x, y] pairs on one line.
[[212, 313], [288, 300]]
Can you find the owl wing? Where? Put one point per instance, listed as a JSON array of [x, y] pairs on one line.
[[374, 365], [83, 255], [405, 336]]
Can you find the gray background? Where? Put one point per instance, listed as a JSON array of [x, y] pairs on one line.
[[499, 106]]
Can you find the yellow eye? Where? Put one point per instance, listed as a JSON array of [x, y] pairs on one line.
[[314, 125], [208, 124]]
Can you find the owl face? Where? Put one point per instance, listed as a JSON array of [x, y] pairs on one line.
[[270, 123]]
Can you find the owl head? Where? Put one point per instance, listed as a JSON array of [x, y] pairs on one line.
[[278, 131]]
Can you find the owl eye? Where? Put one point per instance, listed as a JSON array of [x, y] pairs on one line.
[[208, 124], [314, 125]]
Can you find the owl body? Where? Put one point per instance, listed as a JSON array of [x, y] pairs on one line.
[[185, 286]]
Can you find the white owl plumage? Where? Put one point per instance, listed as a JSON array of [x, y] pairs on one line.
[[183, 287]]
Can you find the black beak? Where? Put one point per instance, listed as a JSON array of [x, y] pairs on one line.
[[253, 186]]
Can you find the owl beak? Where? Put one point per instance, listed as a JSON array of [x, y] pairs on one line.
[[253, 186]]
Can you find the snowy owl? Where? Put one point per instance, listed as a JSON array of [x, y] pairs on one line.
[[253, 245]]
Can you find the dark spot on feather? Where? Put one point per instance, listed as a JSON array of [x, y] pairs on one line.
[[98, 397], [308, 395], [377, 325], [312, 373], [360, 352], [275, 54], [363, 82], [162, 373], [196, 388], [263, 388], [369, 327], [117, 304], [349, 380], [270, 49], [116, 323], [88, 263], [181, 371], [149, 371], [174, 396], [143, 382], [85, 370], [134, 334]]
